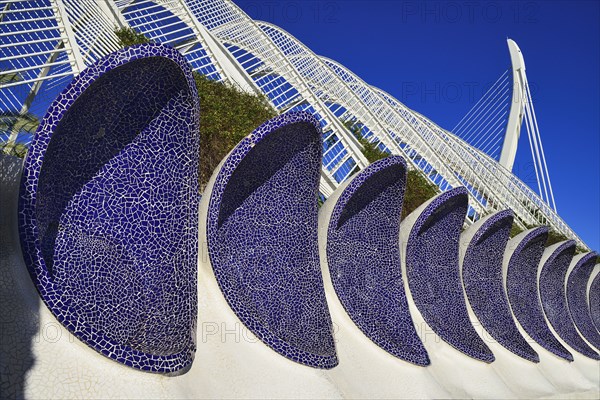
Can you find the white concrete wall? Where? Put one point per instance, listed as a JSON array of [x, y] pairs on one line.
[[39, 359]]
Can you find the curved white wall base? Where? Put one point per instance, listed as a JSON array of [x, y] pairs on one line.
[[523, 376], [365, 369], [230, 361], [231, 364], [567, 378], [459, 374]]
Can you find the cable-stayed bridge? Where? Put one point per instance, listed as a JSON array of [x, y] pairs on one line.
[[45, 43]]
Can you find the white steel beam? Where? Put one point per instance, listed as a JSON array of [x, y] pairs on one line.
[[64, 26]]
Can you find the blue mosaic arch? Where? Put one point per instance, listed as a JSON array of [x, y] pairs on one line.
[[522, 289], [433, 274], [262, 238], [364, 258], [554, 302], [577, 300], [594, 301], [484, 284], [109, 208]]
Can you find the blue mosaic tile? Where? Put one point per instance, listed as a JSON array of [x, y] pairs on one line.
[[364, 258], [109, 206], [484, 284], [577, 300], [594, 301], [433, 274], [554, 302], [262, 238], [522, 290]]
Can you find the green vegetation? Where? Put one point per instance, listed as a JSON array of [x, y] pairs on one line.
[[129, 37], [320, 200], [17, 149], [580, 250], [27, 122], [9, 77], [370, 150], [13, 124], [515, 230], [227, 114], [555, 237], [418, 190]]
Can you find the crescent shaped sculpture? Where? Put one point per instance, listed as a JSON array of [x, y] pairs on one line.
[[364, 258], [432, 265], [523, 254], [552, 278], [109, 208], [262, 238], [577, 284], [594, 301], [484, 282]]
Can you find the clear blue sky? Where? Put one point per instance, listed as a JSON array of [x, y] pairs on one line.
[[438, 58]]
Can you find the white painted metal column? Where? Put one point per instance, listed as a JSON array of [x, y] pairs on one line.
[[64, 26]]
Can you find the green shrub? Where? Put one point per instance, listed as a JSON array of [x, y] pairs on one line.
[[370, 150], [515, 230], [227, 115], [129, 37], [555, 237], [418, 190], [14, 124]]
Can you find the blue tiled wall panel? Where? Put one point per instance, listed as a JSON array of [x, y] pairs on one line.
[[522, 290], [594, 301], [577, 284], [552, 293], [109, 205], [434, 276], [364, 258], [262, 238], [484, 284]]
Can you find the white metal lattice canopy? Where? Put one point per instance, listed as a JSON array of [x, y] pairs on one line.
[[44, 43]]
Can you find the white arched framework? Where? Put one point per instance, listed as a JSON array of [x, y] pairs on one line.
[[47, 42]]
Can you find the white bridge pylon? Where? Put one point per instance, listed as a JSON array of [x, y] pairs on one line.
[[493, 125], [521, 109]]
